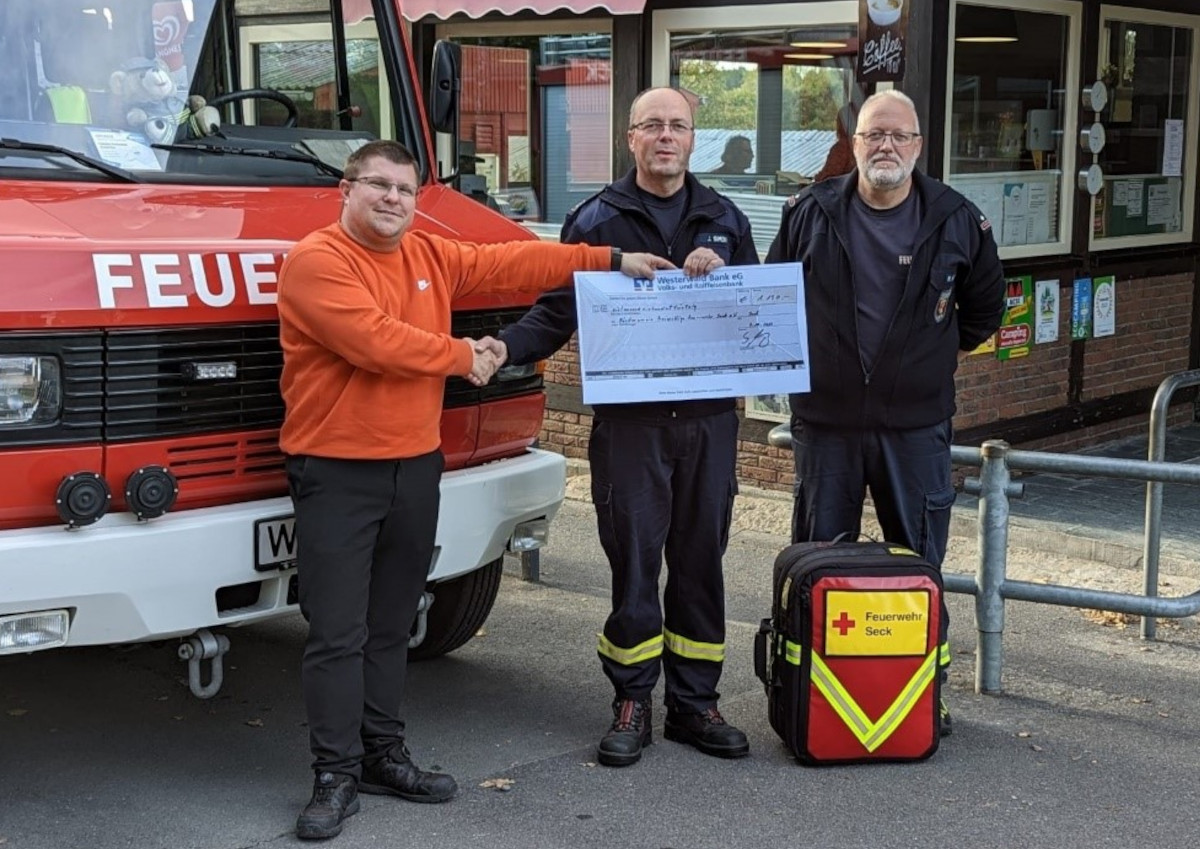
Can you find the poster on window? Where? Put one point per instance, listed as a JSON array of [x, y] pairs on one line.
[[1045, 328], [883, 25], [1104, 306], [1016, 328], [1081, 308]]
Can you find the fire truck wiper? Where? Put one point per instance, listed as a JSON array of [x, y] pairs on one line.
[[262, 153], [16, 147]]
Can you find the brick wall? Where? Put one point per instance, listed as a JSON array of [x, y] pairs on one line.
[[1154, 318]]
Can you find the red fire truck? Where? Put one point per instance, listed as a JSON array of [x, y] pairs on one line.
[[141, 235]]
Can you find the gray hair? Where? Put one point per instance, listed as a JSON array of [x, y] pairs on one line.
[[899, 97]]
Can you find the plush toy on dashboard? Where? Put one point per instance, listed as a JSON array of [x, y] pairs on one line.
[[146, 100]]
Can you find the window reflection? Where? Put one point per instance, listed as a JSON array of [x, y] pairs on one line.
[[774, 111], [536, 123], [1006, 146], [1148, 70]]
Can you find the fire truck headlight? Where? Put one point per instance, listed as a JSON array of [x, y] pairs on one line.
[[30, 391]]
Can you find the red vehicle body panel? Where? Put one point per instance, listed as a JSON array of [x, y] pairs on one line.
[[95, 257]]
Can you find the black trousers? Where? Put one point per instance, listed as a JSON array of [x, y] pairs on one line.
[[907, 472], [365, 534], [665, 488]]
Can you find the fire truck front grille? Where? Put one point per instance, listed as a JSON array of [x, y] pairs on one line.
[[217, 457], [126, 385], [156, 384]]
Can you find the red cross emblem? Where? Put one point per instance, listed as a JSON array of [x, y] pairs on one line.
[[844, 623]]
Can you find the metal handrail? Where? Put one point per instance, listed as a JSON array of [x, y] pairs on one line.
[[990, 585], [1157, 451]]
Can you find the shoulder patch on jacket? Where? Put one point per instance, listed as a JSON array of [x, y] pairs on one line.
[[984, 224], [793, 199]]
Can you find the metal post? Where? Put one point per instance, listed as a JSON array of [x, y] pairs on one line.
[[993, 565], [1152, 538], [531, 566]]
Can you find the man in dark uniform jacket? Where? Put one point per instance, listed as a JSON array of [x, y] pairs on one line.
[[900, 275], [663, 473]]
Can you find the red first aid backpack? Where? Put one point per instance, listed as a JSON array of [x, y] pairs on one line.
[[849, 656]]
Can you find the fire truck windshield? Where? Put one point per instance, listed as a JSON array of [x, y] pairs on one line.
[[150, 90]]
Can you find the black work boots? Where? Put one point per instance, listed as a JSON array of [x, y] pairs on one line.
[[630, 731], [396, 775], [335, 797], [707, 731]]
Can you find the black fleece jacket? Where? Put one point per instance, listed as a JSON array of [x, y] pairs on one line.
[[616, 216], [953, 300]]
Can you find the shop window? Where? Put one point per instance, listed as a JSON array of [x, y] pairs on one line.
[[1149, 65], [1013, 92], [536, 117], [774, 111], [776, 102]]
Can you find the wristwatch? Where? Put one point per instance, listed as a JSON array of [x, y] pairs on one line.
[[616, 260]]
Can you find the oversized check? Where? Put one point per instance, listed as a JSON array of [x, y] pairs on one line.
[[739, 331]]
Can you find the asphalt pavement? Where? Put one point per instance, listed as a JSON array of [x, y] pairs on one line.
[[1094, 742]]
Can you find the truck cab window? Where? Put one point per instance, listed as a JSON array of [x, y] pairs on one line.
[[179, 90]]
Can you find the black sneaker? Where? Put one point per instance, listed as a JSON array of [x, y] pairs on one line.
[[945, 722], [707, 731], [396, 775], [335, 797], [622, 744]]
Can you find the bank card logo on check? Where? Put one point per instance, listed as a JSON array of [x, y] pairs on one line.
[[892, 623]]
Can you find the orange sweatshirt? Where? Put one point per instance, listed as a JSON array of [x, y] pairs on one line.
[[366, 335]]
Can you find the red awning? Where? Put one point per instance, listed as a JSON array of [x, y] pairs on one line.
[[417, 9]]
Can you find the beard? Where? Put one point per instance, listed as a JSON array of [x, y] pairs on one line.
[[889, 177]]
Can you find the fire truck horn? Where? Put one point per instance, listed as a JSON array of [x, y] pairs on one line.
[[82, 498], [150, 492]]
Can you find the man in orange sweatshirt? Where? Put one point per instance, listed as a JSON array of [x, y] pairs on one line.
[[364, 322]]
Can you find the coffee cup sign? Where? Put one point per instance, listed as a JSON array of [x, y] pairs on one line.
[[884, 25], [884, 13]]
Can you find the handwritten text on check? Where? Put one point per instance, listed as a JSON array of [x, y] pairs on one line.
[[738, 331]]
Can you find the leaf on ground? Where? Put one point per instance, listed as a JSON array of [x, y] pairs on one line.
[[1109, 618], [501, 784], [254, 723], [1036, 747], [1024, 733], [17, 712]]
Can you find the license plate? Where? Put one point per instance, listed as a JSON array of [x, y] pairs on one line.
[[275, 543]]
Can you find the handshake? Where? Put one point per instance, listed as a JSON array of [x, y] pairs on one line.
[[490, 354]]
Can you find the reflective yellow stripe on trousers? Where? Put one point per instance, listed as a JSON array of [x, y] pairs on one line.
[[694, 649], [647, 650], [872, 735]]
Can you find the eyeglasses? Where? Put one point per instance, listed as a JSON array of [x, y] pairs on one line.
[[875, 138], [383, 187], [655, 128]]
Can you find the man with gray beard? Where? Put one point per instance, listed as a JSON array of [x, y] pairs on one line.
[[901, 275]]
